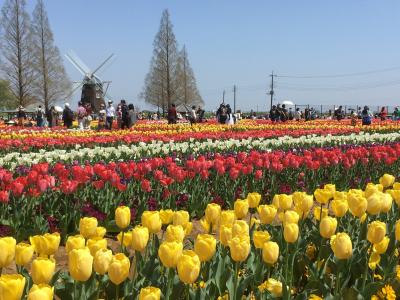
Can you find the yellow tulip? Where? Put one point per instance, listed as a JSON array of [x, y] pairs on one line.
[[88, 227], [260, 237], [270, 252], [285, 201], [387, 180], [225, 234], [303, 202], [240, 228], [41, 292], [205, 246], [169, 253], [318, 214], [181, 217], [227, 218], [127, 238], [374, 205], [42, 270], [374, 260], [340, 195], [11, 286], [274, 287], [212, 213], [397, 230], [46, 244], [23, 254], [123, 217], [395, 195], [330, 187], [357, 204], [254, 222], [100, 232], [241, 208], [152, 220], [253, 199], [188, 228], [291, 232], [372, 188], [118, 269], [387, 201], [140, 238], [7, 251], [166, 216], [204, 225], [381, 247], [267, 213], [341, 245], [239, 248], [188, 267], [290, 216], [102, 261], [174, 233], [376, 232], [74, 242], [339, 207], [323, 196], [95, 244], [396, 186], [80, 264], [327, 227], [150, 293]]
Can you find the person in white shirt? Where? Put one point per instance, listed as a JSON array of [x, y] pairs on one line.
[[110, 115], [193, 116]]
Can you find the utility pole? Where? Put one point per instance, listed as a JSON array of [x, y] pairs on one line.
[[271, 92], [223, 97], [234, 98]]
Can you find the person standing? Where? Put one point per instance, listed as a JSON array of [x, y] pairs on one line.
[[21, 116], [396, 114], [132, 117], [39, 116], [172, 116], [383, 114], [81, 116], [193, 115], [124, 115], [110, 115], [222, 114], [52, 117], [366, 116], [297, 114], [102, 117], [339, 113], [68, 116]]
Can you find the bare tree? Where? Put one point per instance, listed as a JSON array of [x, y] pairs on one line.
[[16, 46], [7, 99], [186, 82], [52, 82]]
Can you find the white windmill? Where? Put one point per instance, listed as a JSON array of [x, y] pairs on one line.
[[94, 90]]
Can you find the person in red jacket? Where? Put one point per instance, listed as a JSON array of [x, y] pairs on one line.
[[172, 116]]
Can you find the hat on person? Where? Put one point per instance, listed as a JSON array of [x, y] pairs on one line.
[[66, 104]]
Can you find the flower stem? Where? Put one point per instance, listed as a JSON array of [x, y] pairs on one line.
[[122, 242], [337, 280], [365, 273], [117, 292], [169, 282], [235, 280]]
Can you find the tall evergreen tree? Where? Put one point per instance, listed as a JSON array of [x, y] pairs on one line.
[[16, 50], [52, 82]]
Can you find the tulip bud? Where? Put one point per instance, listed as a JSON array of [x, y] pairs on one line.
[[180, 217], [387, 180], [11, 286], [270, 252], [330, 187], [290, 216], [274, 287], [227, 218], [253, 199], [74, 242], [327, 227], [285, 201], [374, 260], [240, 228], [23, 254], [291, 232], [174, 233], [322, 196], [188, 267], [381, 247], [387, 201], [376, 232], [372, 188], [339, 207], [100, 232], [239, 248], [260, 237], [241, 208], [88, 227], [7, 251], [46, 244], [118, 270], [166, 216], [205, 246], [150, 293], [169, 253], [213, 212], [357, 204], [152, 220], [267, 213], [95, 244], [102, 261], [42, 270], [140, 238], [41, 292], [123, 217], [374, 204], [80, 263], [341, 245], [303, 201], [225, 235]]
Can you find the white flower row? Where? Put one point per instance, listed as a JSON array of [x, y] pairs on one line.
[[192, 146]]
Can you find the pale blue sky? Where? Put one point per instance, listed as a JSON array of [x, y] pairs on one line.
[[242, 42]]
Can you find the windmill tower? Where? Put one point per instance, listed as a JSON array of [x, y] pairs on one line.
[[94, 90]]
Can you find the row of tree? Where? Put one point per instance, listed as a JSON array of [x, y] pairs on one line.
[[170, 79], [31, 64]]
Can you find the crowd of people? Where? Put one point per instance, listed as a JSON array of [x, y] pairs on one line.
[[194, 115]]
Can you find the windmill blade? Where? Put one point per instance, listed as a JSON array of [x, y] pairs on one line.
[[71, 60], [102, 64], [73, 90], [79, 62]]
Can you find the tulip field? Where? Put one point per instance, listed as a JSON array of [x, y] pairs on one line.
[[295, 210]]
